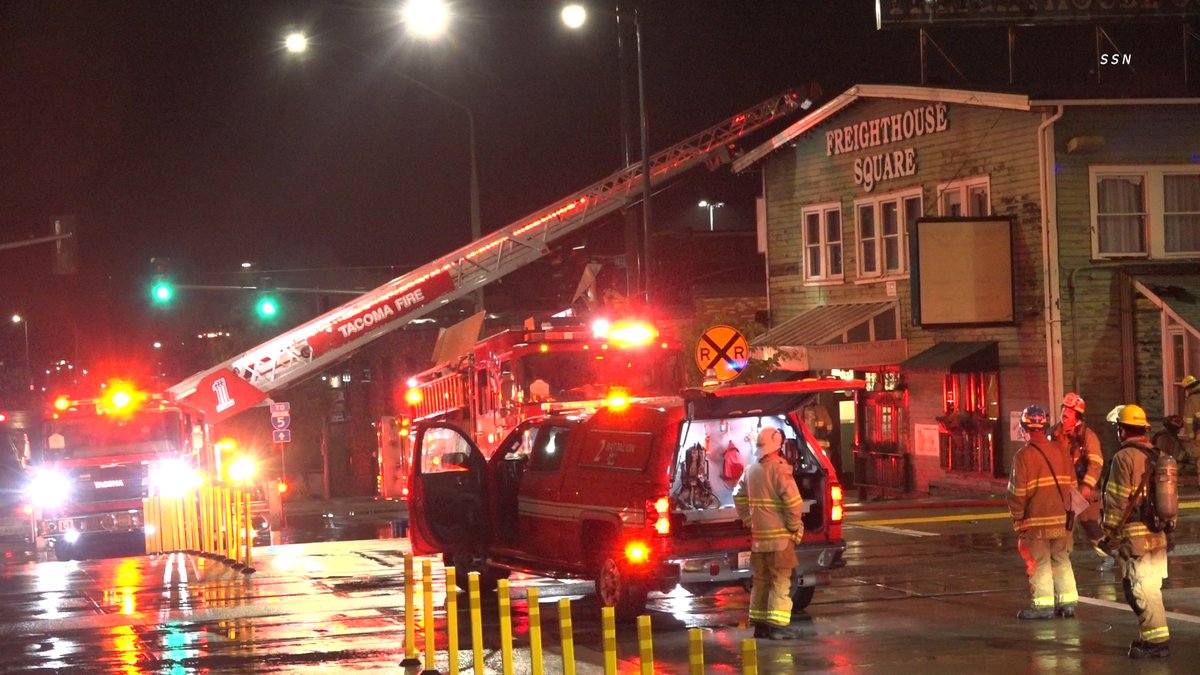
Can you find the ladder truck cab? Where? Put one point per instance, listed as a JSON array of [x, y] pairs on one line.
[[99, 457], [557, 365]]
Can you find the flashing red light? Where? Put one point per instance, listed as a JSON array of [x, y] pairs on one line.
[[637, 552], [282, 487], [27, 509], [404, 492], [414, 396], [658, 517], [3, 417]]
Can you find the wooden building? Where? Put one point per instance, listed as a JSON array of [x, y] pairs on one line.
[[969, 253]]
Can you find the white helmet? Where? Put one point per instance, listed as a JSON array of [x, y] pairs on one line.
[[770, 440]]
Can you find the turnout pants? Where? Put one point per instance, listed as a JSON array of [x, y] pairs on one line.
[[1048, 566], [1141, 577], [770, 596]]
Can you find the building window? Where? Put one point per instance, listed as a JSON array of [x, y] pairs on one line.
[[965, 197], [882, 233], [1145, 211], [822, 242]]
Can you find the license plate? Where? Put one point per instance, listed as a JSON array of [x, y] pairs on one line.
[[743, 561]]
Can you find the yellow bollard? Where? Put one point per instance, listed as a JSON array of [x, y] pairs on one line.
[[506, 651], [219, 539], [749, 657], [205, 527], [227, 521], [608, 623], [193, 522], [410, 630], [476, 620], [452, 620], [696, 651], [535, 631], [427, 612], [180, 525], [249, 531], [568, 636], [239, 535], [645, 644], [168, 530], [147, 528]]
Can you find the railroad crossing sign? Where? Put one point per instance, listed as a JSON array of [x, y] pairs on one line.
[[724, 350]]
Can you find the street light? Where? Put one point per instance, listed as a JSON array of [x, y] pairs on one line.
[[298, 43], [574, 15], [17, 318], [711, 206]]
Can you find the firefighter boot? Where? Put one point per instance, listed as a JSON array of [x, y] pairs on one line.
[[783, 633], [762, 630], [1036, 613], [1065, 611], [1140, 649]]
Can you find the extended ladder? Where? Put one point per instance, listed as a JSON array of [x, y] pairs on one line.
[[243, 380]]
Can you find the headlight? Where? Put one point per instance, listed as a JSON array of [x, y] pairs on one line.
[[49, 488], [241, 470], [173, 477]]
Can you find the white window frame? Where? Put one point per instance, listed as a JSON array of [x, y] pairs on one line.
[[825, 246], [963, 187], [1153, 202], [900, 197]]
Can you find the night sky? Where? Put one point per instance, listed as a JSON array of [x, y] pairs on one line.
[[182, 129]]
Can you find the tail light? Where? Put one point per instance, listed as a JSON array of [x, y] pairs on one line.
[[637, 552], [835, 498], [658, 516]]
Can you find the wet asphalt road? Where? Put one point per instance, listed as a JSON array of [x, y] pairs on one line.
[[929, 590]]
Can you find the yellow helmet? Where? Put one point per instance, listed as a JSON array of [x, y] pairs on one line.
[[1188, 381], [1132, 415]]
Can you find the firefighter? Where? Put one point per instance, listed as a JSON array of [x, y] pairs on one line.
[[769, 503], [1142, 553], [1167, 440], [1037, 493], [1083, 446], [1191, 407]]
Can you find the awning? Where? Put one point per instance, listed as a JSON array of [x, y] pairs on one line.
[[1175, 294], [857, 335], [821, 325], [957, 357]]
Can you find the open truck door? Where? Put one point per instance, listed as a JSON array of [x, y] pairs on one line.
[[447, 499]]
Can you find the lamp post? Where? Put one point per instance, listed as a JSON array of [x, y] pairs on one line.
[[574, 15], [711, 206], [17, 318], [297, 43]]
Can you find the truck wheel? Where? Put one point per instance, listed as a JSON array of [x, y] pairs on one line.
[[618, 590]]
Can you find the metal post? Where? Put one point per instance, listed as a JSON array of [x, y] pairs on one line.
[[645, 131]]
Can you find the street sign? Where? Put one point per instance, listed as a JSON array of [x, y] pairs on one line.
[[280, 408], [723, 350], [281, 435], [280, 422]]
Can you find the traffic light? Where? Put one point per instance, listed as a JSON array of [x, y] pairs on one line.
[[162, 291], [267, 307]]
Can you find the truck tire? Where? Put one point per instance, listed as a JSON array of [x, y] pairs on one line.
[[615, 588], [802, 596]]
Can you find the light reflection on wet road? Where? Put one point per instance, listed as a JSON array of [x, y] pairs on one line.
[[938, 603]]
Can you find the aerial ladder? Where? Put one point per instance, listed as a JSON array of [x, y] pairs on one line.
[[246, 379]]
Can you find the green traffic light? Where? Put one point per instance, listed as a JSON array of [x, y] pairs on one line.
[[267, 307], [162, 292]]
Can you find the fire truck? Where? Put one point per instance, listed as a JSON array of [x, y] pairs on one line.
[[553, 365], [98, 457]]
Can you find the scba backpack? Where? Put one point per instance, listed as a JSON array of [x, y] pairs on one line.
[[1160, 506]]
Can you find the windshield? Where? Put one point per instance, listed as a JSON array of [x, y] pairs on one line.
[[147, 431], [579, 375]]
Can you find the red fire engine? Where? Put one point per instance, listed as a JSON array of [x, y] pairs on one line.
[[553, 366]]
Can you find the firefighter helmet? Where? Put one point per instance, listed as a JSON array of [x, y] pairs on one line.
[[1074, 402], [1189, 382], [1033, 417], [1132, 415], [1173, 423]]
